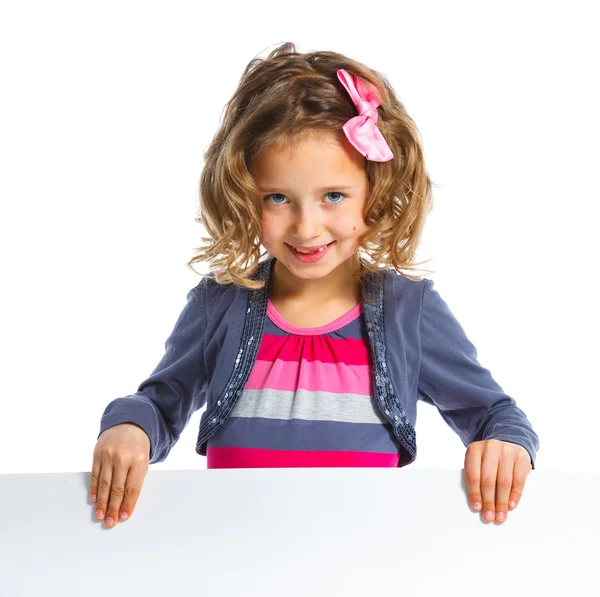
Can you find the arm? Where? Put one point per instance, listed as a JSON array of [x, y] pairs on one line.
[[464, 392], [165, 401]]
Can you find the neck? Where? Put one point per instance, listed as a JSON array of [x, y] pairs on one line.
[[338, 285]]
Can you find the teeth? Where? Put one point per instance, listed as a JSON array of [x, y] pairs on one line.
[[309, 252]]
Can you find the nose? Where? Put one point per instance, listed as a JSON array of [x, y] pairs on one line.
[[307, 226]]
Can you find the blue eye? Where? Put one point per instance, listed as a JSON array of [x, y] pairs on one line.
[[268, 197], [336, 193], [274, 195]]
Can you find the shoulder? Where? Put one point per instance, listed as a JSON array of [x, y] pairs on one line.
[[403, 297], [208, 291], [400, 283]]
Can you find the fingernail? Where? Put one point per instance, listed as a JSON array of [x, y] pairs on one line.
[[477, 506], [109, 521], [512, 504], [500, 516], [99, 514], [489, 515], [124, 515], [93, 497]]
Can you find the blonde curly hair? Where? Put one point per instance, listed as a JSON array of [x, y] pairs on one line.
[[287, 98]]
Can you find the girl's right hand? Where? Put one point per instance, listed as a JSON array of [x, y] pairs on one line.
[[120, 465]]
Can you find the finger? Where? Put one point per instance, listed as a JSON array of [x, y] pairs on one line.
[[473, 475], [117, 492], [504, 484], [522, 469], [96, 466], [133, 487], [104, 481], [489, 474]]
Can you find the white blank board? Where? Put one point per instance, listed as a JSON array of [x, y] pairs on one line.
[[288, 532]]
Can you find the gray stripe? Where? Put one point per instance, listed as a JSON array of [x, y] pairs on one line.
[[303, 404]]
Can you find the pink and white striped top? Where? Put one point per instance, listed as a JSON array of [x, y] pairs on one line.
[[309, 402]]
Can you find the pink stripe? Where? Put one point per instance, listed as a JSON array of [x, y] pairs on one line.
[[338, 323], [312, 377], [316, 348], [259, 458]]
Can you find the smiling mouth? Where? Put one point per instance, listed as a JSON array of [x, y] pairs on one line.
[[306, 252]]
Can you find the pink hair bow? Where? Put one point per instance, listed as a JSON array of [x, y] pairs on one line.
[[362, 130]]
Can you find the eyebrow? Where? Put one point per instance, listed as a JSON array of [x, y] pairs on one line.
[[333, 187]]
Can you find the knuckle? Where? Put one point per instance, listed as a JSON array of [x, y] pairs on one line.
[[141, 458], [132, 492], [471, 478], [121, 456], [104, 485], [488, 482], [118, 491], [112, 451], [505, 483], [106, 452]]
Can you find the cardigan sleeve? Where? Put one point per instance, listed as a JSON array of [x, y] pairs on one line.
[[166, 400], [464, 392]]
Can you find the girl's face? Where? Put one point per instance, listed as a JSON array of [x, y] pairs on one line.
[[313, 195]]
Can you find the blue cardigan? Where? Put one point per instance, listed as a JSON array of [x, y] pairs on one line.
[[419, 350]]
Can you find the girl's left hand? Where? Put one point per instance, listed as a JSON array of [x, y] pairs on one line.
[[495, 472]]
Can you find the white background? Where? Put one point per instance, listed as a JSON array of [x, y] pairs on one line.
[[107, 108]]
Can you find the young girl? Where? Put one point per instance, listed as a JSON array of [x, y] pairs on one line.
[[316, 351]]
